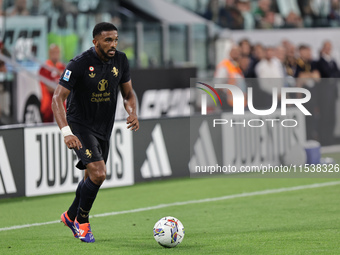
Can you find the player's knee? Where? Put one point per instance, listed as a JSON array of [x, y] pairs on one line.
[[99, 177], [102, 176], [97, 173]]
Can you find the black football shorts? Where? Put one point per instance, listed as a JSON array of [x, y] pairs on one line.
[[94, 149]]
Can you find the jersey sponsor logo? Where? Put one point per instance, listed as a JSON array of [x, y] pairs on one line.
[[115, 71], [67, 75], [102, 85], [92, 75]]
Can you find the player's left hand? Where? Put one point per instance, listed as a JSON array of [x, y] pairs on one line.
[[133, 123]]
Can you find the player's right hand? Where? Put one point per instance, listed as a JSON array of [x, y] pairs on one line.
[[72, 142]]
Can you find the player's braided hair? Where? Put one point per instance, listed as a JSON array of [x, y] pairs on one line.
[[103, 26]]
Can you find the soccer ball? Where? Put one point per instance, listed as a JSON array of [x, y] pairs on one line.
[[168, 232]]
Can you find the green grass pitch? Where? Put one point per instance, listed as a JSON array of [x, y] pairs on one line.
[[304, 221]]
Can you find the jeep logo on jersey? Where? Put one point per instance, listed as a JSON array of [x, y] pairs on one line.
[[102, 85]]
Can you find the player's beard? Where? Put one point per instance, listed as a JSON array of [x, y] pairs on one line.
[[104, 54]]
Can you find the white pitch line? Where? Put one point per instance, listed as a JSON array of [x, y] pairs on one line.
[[330, 149], [199, 201]]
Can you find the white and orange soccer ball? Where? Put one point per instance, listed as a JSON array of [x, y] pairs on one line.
[[168, 232]]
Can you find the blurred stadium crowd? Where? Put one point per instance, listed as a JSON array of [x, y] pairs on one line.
[[286, 65], [266, 14]]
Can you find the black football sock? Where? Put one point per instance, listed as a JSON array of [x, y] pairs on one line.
[[72, 211], [88, 194]]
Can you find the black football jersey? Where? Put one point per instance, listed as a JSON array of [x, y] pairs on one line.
[[94, 87]]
